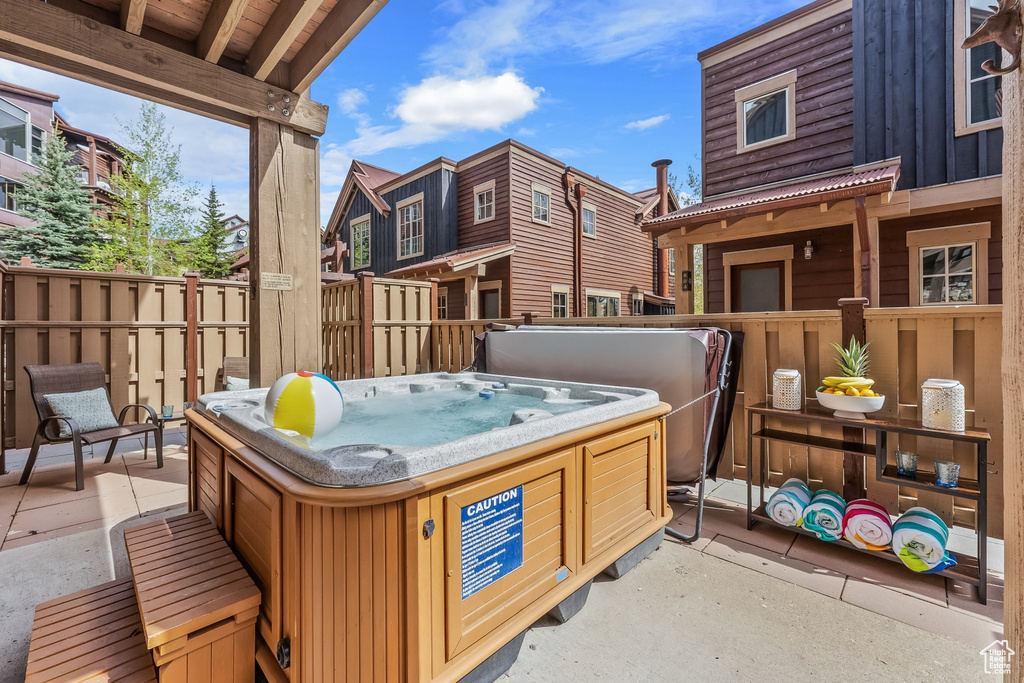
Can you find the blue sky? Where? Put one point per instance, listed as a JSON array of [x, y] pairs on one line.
[[608, 86]]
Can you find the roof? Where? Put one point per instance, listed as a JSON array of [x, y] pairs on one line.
[[762, 28], [876, 179], [456, 260], [650, 200], [27, 92]]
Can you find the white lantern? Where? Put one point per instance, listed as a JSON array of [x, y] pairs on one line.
[[786, 388], [942, 405]]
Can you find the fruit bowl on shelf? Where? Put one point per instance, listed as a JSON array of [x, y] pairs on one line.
[[850, 407]]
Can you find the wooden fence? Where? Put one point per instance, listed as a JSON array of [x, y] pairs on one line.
[[908, 345], [376, 327], [137, 327]]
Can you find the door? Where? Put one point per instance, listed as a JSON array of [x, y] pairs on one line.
[[490, 304], [757, 287]]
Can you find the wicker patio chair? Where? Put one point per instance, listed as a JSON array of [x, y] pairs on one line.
[[63, 379], [233, 366]]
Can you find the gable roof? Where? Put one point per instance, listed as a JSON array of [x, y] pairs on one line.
[[650, 199], [365, 178]]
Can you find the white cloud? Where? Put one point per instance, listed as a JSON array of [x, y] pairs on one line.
[[442, 105], [563, 153], [526, 132], [634, 185], [350, 100], [644, 124], [334, 165]]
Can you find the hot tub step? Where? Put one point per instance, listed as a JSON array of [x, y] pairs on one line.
[[633, 557], [494, 666], [570, 607]]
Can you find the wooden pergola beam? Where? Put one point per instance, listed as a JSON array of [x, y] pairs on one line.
[[285, 25], [336, 31], [132, 14], [54, 39], [218, 27]]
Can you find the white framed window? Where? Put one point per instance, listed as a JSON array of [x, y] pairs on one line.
[[442, 303], [589, 219], [541, 204], [38, 137], [359, 236], [672, 261], [15, 131], [766, 112], [949, 266], [410, 227], [559, 301], [975, 90], [638, 304], [483, 202], [602, 303]]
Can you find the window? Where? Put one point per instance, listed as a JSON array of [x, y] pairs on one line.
[[766, 112], [759, 279], [638, 304], [442, 303], [541, 204], [559, 301], [14, 131], [949, 265], [7, 190], [976, 89], [589, 220], [672, 261], [602, 304], [38, 136], [359, 235], [484, 202], [410, 227]]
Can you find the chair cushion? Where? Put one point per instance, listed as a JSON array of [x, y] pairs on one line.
[[235, 383], [90, 409]]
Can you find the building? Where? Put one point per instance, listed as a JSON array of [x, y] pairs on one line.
[[850, 148], [507, 231], [26, 119]]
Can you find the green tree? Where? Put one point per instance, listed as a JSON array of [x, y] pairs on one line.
[[690, 192], [151, 218], [53, 198], [207, 252]]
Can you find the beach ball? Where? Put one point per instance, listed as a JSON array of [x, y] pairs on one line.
[[305, 402]]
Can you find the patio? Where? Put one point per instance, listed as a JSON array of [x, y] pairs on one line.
[[733, 604]]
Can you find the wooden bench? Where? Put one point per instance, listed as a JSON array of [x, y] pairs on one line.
[[95, 634], [197, 603]]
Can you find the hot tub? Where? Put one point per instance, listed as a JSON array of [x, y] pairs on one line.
[[434, 526]]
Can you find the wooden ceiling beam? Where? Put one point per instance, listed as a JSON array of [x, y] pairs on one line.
[[284, 26], [132, 14], [218, 28], [336, 31], [50, 38]]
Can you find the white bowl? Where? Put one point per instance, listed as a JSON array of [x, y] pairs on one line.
[[851, 407]]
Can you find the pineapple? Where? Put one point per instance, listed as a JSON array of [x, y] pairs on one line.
[[854, 364]]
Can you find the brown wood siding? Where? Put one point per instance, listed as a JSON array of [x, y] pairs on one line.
[[543, 255], [817, 283], [620, 257], [497, 230], [894, 256], [822, 55]]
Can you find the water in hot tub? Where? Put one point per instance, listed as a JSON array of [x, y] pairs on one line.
[[430, 418]]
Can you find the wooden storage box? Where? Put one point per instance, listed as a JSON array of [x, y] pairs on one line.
[[197, 602]]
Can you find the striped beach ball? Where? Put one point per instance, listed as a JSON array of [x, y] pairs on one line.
[[305, 402]]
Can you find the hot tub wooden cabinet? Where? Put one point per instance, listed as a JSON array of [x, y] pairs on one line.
[[365, 583]]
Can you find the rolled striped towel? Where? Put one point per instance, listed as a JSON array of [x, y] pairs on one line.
[[919, 539], [866, 524], [786, 506], [824, 515]]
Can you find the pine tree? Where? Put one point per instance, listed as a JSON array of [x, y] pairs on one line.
[[208, 253], [151, 216], [53, 198]]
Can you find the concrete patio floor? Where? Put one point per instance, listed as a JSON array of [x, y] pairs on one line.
[[759, 605]]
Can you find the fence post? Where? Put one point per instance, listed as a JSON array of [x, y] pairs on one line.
[[530, 316], [853, 465], [433, 297], [192, 336], [366, 324]]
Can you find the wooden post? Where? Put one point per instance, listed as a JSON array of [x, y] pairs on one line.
[[1013, 367], [530, 317], [284, 251], [366, 324], [853, 465], [433, 297], [192, 336]]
